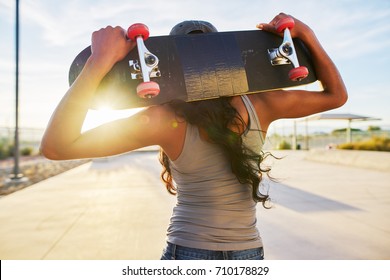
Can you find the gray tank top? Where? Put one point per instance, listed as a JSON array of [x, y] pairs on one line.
[[214, 211]]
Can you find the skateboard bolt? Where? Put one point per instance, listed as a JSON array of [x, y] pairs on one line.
[[287, 49], [150, 60]]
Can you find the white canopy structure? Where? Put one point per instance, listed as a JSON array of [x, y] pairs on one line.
[[348, 117]]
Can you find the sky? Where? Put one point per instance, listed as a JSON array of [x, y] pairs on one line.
[[355, 33]]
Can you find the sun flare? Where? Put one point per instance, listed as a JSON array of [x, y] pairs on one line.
[[103, 115]]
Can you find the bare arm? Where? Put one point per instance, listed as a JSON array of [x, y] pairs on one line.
[[300, 103], [63, 138]]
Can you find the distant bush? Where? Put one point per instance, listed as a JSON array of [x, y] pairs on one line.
[[284, 145], [373, 144], [374, 128], [344, 130], [6, 150], [3, 151], [9, 151], [26, 151]]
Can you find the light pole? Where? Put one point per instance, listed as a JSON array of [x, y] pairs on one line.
[[16, 176]]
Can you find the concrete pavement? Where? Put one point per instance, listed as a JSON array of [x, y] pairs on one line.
[[326, 211], [117, 208]]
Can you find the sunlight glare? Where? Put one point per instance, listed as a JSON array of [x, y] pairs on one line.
[[103, 115]]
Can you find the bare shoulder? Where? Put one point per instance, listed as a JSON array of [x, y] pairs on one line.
[[158, 119], [162, 126], [158, 112]]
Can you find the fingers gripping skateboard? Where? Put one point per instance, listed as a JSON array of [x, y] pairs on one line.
[[286, 53], [148, 62]]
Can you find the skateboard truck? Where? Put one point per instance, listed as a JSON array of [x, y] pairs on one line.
[[147, 66], [285, 53]]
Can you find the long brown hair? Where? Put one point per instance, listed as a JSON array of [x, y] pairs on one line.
[[221, 121]]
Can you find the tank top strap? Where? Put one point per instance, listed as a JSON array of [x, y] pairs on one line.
[[254, 123]]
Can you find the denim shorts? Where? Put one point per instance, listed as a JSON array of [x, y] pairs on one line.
[[176, 252]]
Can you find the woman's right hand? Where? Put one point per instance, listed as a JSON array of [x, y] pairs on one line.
[[110, 45]]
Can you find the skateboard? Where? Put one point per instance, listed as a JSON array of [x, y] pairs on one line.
[[202, 66]]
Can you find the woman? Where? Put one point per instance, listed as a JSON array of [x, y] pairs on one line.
[[210, 149]]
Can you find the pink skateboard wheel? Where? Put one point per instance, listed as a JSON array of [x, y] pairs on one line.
[[148, 89], [284, 23], [138, 29], [298, 74]]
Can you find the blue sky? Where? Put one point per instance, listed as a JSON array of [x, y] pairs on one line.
[[354, 32]]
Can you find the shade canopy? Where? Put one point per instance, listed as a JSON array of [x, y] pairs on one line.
[[341, 116]]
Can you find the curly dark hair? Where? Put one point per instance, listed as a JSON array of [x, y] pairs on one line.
[[224, 127]]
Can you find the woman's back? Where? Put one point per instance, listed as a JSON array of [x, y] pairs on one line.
[[210, 198]]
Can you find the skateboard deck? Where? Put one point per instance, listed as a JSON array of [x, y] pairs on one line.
[[198, 67]]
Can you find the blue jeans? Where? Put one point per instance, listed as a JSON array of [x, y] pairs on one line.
[[176, 252]]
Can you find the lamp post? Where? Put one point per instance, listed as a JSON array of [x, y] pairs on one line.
[[16, 176]]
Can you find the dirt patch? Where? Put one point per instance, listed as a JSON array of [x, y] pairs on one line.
[[35, 169]]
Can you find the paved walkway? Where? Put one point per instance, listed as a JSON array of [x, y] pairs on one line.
[[117, 208]]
